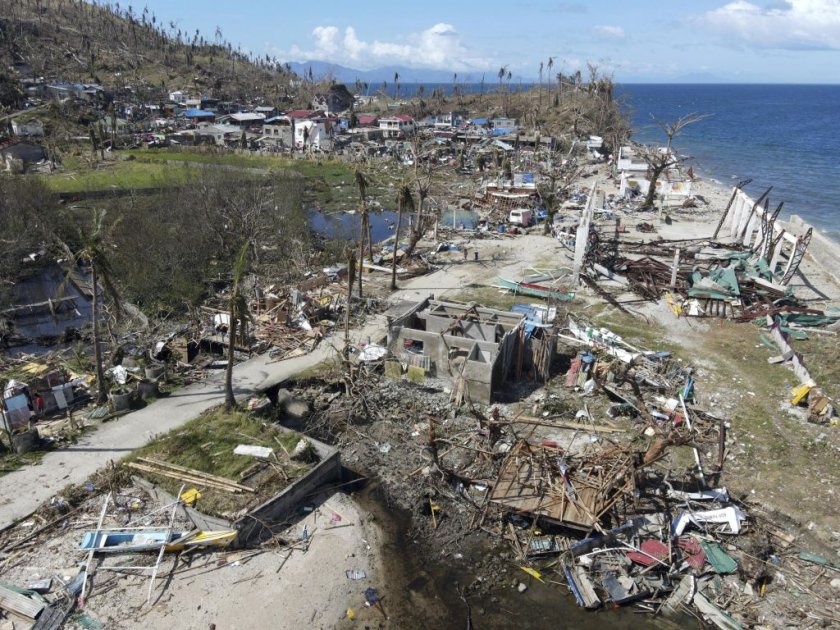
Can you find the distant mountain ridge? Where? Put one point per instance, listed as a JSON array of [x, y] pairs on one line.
[[343, 74], [375, 77]]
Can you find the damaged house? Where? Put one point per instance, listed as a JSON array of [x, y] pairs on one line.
[[474, 347], [337, 99]]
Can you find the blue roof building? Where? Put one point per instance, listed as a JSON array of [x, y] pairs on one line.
[[198, 114]]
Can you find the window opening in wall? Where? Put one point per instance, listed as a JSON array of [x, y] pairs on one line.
[[413, 345]]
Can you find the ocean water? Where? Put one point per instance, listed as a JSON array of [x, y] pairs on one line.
[[785, 136]]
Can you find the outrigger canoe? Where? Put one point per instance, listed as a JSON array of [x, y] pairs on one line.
[[535, 290], [131, 541]]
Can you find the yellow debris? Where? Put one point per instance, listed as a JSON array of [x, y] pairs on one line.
[[799, 393], [676, 308], [533, 573], [190, 496], [434, 508]]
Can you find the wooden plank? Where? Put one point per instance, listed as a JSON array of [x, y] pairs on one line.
[[172, 474], [20, 604], [561, 424], [195, 474], [93, 548], [53, 617], [163, 545]]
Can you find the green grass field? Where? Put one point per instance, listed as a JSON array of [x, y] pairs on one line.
[[150, 168]]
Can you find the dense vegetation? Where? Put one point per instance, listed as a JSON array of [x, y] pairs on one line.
[[164, 249]]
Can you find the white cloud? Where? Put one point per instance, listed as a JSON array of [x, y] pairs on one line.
[[439, 46], [790, 24], [610, 31]]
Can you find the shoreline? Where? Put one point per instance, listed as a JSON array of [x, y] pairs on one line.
[[769, 134], [824, 251]]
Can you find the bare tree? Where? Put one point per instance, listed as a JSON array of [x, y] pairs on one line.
[[238, 320], [554, 185], [424, 174], [659, 160], [362, 184], [674, 128], [94, 252], [550, 66], [404, 201]]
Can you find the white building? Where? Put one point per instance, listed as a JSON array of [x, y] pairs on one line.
[[400, 126], [310, 134], [178, 97]]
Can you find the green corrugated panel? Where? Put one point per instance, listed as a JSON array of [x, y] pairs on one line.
[[717, 557]]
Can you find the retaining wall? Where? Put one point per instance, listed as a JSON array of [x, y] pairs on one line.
[[252, 526]]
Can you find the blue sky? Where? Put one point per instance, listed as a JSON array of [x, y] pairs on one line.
[[775, 41]]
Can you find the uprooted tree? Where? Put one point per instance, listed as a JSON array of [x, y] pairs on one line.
[[660, 159]]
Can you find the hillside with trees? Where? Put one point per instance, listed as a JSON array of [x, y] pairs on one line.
[[127, 49]]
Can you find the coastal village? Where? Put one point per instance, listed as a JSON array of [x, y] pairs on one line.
[[323, 355]]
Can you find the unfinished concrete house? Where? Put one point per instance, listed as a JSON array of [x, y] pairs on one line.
[[473, 347]]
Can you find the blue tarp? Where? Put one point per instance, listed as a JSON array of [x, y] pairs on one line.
[[479, 121], [197, 113], [533, 317]]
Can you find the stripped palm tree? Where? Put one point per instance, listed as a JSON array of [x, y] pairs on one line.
[[550, 66], [362, 184], [93, 253], [239, 316], [404, 201]]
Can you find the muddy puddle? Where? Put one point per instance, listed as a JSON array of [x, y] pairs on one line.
[[424, 591]]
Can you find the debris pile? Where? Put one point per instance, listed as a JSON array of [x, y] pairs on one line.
[[595, 497]]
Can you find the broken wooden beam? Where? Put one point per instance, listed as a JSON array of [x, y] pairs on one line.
[[20, 604], [562, 424]]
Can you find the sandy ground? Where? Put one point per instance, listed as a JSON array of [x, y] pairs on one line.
[[515, 257], [506, 257], [300, 587]]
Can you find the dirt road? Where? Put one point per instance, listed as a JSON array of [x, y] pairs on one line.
[[24, 490]]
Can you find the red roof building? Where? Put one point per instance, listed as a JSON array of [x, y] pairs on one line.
[[302, 114], [367, 120]]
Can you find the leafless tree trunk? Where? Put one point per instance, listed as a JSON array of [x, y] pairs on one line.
[[658, 161]]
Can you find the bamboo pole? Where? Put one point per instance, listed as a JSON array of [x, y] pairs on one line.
[[172, 474], [165, 542], [93, 549], [193, 472]]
